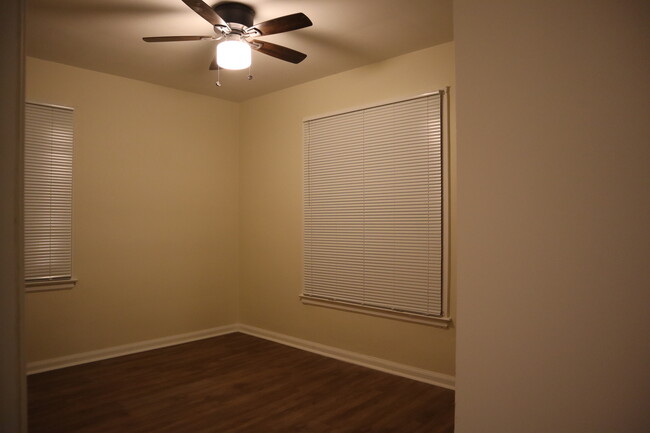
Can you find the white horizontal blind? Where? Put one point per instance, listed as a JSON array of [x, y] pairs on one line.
[[373, 207], [48, 192]]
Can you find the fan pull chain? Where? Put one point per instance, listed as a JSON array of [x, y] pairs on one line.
[[218, 83]]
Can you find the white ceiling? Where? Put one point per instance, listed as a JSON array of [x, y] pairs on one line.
[[106, 36]]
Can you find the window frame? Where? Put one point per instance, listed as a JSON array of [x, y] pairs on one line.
[[445, 319], [41, 284]]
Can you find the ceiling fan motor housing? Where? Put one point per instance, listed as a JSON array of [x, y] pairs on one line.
[[233, 12]]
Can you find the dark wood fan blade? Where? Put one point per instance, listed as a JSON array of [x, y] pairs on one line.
[[206, 12], [283, 24], [278, 51], [174, 38], [213, 65]]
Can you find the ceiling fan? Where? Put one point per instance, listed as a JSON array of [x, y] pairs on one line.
[[233, 26]]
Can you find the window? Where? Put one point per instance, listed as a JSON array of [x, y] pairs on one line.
[[48, 196], [374, 231]]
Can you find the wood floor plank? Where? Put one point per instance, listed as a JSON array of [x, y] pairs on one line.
[[232, 383]]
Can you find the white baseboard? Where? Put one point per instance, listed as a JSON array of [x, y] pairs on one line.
[[112, 352], [419, 374], [391, 367]]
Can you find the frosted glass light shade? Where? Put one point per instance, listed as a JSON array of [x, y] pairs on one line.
[[233, 55]]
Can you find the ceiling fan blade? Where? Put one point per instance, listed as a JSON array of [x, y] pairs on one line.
[[213, 64], [278, 51], [283, 24], [174, 38], [206, 12]]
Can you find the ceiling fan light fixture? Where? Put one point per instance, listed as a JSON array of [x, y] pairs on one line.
[[233, 24], [233, 53]]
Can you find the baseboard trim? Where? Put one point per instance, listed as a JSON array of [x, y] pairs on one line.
[[126, 349], [426, 376], [419, 374]]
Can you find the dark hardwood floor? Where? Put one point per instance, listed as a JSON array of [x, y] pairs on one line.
[[233, 383]]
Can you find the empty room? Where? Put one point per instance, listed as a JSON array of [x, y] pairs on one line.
[[325, 216]]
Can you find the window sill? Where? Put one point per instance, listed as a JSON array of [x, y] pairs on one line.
[[46, 286], [440, 322]]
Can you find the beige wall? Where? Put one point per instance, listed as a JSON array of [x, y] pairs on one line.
[[155, 214], [553, 216], [271, 211]]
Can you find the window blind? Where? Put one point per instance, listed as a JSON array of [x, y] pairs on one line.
[[48, 192], [373, 207]]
